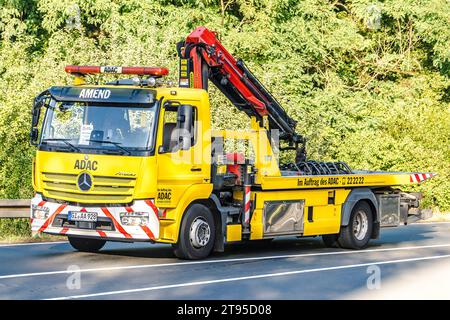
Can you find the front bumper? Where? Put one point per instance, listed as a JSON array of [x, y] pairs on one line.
[[108, 226]]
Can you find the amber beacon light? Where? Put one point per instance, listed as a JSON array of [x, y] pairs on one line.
[[151, 71]]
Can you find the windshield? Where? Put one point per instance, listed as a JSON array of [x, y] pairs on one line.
[[78, 125]]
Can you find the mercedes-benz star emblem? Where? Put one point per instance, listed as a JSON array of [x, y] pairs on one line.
[[84, 181]]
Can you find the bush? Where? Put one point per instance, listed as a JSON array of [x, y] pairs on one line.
[[15, 228]]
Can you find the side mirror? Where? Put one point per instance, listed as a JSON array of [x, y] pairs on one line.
[[38, 102], [185, 124], [35, 113], [34, 135]]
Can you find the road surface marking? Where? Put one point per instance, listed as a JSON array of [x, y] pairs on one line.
[[428, 222], [30, 243], [10, 276], [267, 275], [59, 242]]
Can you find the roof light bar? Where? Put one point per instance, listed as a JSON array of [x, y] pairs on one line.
[[152, 71]]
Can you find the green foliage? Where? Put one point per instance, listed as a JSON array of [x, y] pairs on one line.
[[14, 228], [367, 81]]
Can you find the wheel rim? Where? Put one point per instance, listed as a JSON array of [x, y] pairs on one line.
[[200, 232], [360, 225]]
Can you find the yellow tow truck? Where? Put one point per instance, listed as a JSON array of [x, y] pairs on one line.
[[136, 160]]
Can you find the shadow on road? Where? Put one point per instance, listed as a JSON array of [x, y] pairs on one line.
[[289, 245]]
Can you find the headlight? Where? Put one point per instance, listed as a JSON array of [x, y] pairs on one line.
[[39, 212], [134, 218]]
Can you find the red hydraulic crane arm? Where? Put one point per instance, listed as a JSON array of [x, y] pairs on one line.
[[203, 57], [213, 53]]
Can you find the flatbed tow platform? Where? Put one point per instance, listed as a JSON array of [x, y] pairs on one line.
[[370, 179]]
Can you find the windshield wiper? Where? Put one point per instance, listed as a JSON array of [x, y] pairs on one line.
[[117, 144], [66, 141]]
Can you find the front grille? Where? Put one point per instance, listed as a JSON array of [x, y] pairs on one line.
[[104, 189]]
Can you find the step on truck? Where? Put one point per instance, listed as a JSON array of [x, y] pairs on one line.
[[135, 159]]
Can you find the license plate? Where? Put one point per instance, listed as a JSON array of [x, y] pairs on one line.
[[82, 216]]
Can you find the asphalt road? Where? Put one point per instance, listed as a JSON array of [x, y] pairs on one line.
[[406, 262]]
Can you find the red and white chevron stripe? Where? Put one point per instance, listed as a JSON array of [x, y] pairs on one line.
[[419, 177], [247, 204]]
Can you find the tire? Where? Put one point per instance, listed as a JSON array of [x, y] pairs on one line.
[[86, 245], [330, 240], [197, 234], [357, 233]]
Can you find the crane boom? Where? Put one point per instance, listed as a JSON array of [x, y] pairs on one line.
[[203, 57]]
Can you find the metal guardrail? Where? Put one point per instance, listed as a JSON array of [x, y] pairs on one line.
[[17, 208]]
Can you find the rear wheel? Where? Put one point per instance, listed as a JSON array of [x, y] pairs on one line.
[[86, 245], [356, 234], [197, 233]]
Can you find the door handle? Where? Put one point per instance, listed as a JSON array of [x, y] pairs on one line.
[[196, 169]]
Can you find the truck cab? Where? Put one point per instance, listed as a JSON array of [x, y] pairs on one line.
[[119, 162]]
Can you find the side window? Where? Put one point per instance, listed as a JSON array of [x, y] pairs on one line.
[[177, 134]]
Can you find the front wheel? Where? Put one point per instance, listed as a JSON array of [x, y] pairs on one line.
[[197, 233], [357, 233], [86, 245]]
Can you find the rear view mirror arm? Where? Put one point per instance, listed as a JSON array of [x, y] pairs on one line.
[[38, 102]]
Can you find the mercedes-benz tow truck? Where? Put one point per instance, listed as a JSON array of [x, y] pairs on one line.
[[136, 160]]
